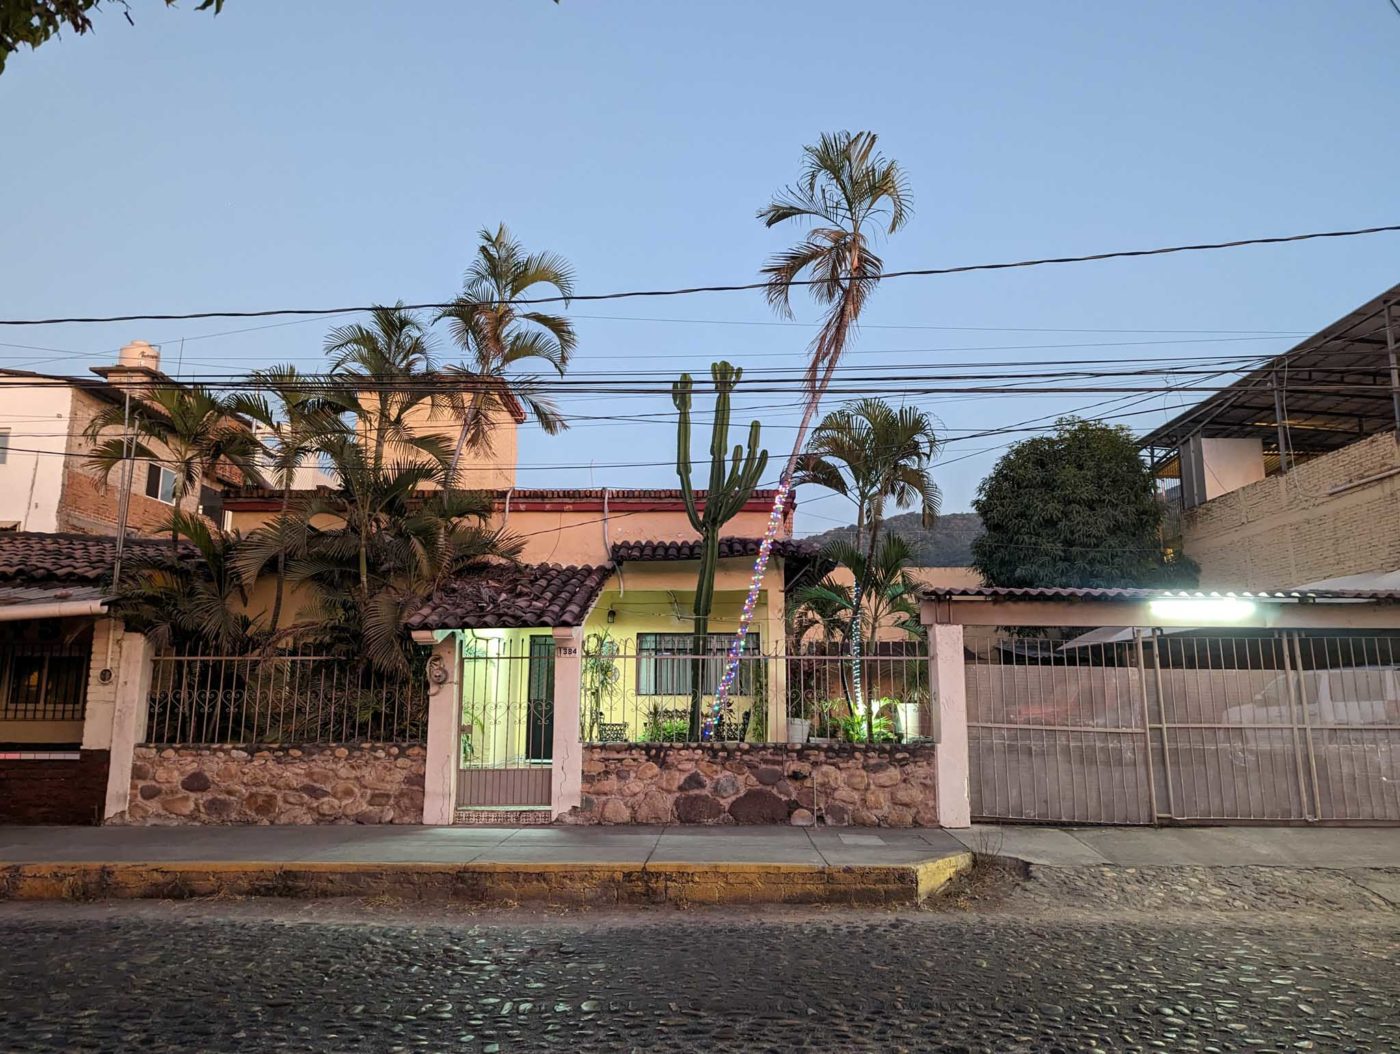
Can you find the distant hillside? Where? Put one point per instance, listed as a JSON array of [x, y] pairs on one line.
[[947, 544]]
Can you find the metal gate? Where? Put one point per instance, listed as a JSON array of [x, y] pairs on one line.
[[1145, 727], [507, 740]]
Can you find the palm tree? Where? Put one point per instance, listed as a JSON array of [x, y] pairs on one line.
[[873, 453], [890, 594], [387, 548], [193, 598], [188, 429], [385, 370], [846, 192], [495, 335], [296, 414]]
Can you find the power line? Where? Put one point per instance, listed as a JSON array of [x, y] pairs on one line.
[[922, 272]]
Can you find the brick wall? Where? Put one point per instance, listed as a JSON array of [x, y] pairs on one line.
[[87, 505], [885, 785], [54, 792], [1288, 529]]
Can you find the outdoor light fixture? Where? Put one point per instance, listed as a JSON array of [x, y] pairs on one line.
[[1207, 610], [612, 616]]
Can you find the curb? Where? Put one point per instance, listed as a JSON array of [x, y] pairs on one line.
[[598, 884]]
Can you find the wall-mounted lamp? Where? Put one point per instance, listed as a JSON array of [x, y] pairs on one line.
[[612, 616], [1208, 610]]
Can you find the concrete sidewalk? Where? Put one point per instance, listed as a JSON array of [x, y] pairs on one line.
[[1296, 847], [635, 846]]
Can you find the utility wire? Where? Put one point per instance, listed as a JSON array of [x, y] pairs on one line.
[[922, 272]]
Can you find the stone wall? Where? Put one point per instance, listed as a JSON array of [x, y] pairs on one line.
[[885, 785], [352, 783]]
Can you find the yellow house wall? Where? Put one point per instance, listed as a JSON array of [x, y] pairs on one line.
[[664, 606]]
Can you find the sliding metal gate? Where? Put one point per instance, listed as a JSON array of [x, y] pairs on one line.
[[1153, 727], [507, 740]]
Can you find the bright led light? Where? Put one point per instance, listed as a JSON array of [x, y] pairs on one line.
[[1208, 610]]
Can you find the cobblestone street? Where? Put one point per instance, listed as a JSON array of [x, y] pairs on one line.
[[998, 973]]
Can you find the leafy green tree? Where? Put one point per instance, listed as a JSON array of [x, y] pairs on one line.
[[496, 336], [846, 194], [874, 454], [32, 22], [1076, 508]]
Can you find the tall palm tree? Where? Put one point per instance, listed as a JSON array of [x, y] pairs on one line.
[[873, 454], [296, 414], [496, 336], [846, 193], [188, 429], [386, 369]]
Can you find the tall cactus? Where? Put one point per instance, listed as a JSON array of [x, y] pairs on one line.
[[731, 485]]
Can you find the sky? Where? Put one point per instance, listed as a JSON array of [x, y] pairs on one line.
[[340, 153]]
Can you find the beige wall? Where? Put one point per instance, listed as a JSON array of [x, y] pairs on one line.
[[480, 469], [1298, 527], [581, 536]]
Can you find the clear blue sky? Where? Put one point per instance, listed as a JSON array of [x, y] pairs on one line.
[[289, 154]]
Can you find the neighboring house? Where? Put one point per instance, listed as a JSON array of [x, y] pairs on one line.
[[64, 756], [1292, 474], [45, 482]]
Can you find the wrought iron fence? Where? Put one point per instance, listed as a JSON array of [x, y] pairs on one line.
[[286, 697], [642, 691]]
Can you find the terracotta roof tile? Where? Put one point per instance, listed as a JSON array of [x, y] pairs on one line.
[[28, 557], [514, 597], [690, 549]]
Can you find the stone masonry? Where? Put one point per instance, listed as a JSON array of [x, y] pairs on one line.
[[350, 783], [885, 785]]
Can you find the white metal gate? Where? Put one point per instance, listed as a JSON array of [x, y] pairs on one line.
[[1153, 727], [507, 734]]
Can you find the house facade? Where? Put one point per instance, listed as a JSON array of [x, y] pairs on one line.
[[45, 483], [1291, 475]]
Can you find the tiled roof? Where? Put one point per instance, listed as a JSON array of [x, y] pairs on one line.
[[29, 557], [1107, 593], [514, 597], [690, 550]]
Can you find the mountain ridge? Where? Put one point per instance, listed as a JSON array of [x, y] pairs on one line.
[[948, 543]]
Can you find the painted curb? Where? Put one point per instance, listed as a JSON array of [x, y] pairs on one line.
[[680, 884]]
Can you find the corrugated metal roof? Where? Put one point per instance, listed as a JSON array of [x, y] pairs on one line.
[[1096, 593], [1334, 388]]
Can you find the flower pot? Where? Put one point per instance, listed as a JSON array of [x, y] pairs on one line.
[[908, 717], [798, 731]]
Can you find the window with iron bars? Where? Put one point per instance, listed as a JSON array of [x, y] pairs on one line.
[[663, 663], [41, 682]]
